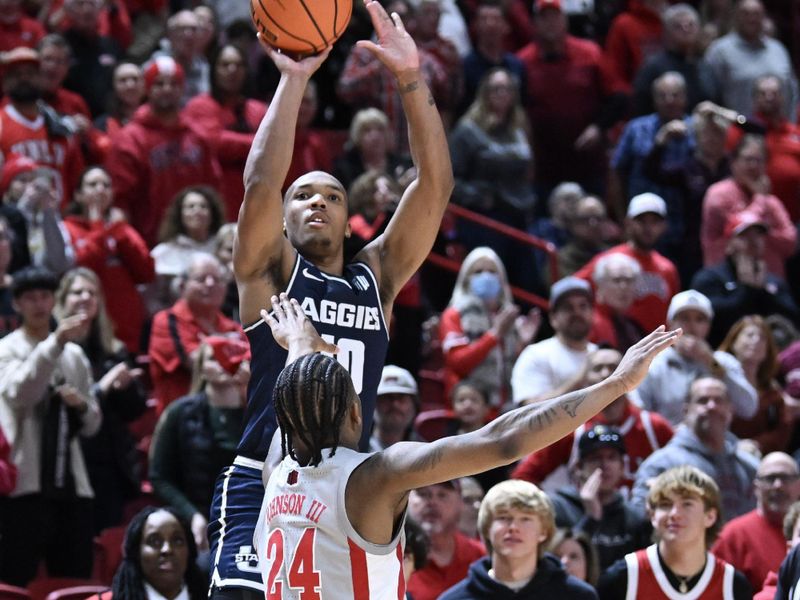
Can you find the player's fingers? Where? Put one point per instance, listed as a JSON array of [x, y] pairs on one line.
[[398, 22], [297, 310], [371, 46], [268, 319], [277, 309]]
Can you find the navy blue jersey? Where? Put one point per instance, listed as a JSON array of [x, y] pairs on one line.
[[346, 311]]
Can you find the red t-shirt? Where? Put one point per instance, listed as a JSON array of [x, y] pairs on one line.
[[736, 546], [429, 582], [657, 285]]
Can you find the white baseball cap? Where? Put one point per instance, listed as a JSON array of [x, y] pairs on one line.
[[646, 203], [689, 299], [396, 380]]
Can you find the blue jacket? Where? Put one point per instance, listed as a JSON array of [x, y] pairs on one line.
[[550, 581]]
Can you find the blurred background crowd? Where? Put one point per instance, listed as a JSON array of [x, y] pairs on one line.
[[619, 164]]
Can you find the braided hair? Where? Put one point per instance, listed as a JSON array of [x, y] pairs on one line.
[[129, 581], [311, 398]]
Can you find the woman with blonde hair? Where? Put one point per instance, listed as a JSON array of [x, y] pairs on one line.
[[110, 455], [369, 147], [481, 330], [493, 169]]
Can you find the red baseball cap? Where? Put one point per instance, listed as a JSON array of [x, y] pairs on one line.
[[229, 352], [163, 65], [15, 166], [540, 5], [740, 222], [19, 55]]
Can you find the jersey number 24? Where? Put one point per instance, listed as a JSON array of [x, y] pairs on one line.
[[301, 574]]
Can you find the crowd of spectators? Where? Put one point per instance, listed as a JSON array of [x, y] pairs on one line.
[[652, 145]]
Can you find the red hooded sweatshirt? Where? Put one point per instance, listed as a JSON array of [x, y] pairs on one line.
[[150, 162]]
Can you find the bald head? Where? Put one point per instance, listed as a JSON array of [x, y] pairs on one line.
[[777, 486]]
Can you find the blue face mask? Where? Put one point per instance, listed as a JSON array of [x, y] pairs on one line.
[[485, 285]]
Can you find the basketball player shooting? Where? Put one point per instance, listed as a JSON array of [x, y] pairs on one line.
[[331, 521], [346, 302]]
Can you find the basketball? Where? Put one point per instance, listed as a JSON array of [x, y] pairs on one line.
[[301, 26]]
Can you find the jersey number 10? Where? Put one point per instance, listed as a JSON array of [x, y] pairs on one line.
[[301, 574], [351, 357]]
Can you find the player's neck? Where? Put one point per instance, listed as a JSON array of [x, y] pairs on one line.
[[333, 265], [684, 560]]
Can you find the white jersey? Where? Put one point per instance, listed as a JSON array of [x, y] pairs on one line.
[[307, 547]]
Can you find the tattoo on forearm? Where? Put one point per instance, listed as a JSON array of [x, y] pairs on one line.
[[409, 87], [541, 419], [572, 404], [431, 101], [428, 462]]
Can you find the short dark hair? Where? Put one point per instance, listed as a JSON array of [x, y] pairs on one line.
[[33, 278]]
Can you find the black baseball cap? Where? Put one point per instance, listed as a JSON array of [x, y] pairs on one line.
[[600, 436]]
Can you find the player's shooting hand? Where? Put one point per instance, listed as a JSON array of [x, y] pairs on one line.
[[292, 329], [395, 48], [632, 370], [305, 66]]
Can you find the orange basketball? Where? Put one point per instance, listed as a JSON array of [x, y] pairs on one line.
[[301, 26]]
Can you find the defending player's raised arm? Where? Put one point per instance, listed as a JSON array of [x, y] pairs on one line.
[[408, 238], [260, 242], [409, 465]]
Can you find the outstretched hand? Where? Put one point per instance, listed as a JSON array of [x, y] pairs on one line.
[[287, 65], [395, 48], [292, 329], [633, 367]]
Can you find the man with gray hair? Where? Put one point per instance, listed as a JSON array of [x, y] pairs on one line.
[[667, 383], [178, 330], [777, 487], [615, 276], [747, 52], [183, 44], [681, 54]]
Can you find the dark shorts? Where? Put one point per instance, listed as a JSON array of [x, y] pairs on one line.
[[238, 495]]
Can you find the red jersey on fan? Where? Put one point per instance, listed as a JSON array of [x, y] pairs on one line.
[[59, 155], [647, 580]]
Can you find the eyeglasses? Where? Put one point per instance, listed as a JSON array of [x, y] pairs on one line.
[[784, 478]]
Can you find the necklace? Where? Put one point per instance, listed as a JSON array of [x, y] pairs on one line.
[[683, 586]]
